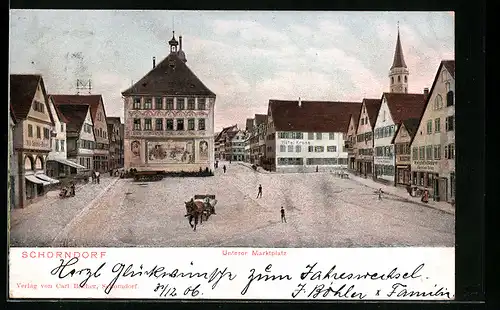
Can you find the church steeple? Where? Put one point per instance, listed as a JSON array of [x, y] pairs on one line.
[[398, 74], [173, 43]]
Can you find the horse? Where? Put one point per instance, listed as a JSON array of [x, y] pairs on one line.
[[208, 206], [194, 209]]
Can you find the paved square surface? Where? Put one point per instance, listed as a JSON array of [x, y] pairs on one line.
[[322, 210]]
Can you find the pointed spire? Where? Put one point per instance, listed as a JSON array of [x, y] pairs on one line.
[[399, 60]]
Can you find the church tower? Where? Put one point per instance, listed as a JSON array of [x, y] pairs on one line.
[[398, 75]]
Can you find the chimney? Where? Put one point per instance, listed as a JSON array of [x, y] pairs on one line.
[[300, 103], [180, 43], [154, 62], [426, 92]]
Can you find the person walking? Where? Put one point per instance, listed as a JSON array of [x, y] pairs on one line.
[[380, 194], [98, 177], [425, 196], [283, 218], [224, 168], [259, 194]]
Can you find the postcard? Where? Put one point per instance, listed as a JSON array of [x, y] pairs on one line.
[[240, 155]]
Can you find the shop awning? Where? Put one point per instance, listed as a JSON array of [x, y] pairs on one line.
[[46, 178], [69, 163], [36, 180]]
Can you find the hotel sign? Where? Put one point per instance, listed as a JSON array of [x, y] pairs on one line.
[[295, 142], [425, 165], [403, 159], [38, 143]]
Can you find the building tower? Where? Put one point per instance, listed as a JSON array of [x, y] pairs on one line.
[[173, 43], [398, 75]]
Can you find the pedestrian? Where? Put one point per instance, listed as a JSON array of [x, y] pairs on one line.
[[229, 160], [380, 194], [425, 196], [224, 168], [283, 218], [98, 177], [259, 194], [72, 189]]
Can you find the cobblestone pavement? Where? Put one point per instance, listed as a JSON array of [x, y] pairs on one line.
[[322, 211], [38, 224]]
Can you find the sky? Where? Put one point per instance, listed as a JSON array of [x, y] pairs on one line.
[[244, 57]]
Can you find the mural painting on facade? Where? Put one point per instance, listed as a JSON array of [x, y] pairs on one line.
[[203, 150], [136, 148], [171, 151]]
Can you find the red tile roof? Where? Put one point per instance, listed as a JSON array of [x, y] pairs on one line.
[[372, 108], [224, 131], [171, 76], [61, 116], [22, 91], [92, 100], [75, 114], [404, 106], [312, 116]]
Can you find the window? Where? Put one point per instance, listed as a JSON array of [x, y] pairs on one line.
[[158, 103], [310, 136], [180, 103], [399, 78], [421, 153], [57, 145], [282, 148], [331, 136], [46, 133], [319, 149], [451, 151], [362, 121], [392, 80], [437, 151], [159, 124], [190, 104], [310, 148], [450, 122], [148, 104], [62, 127], [428, 152], [38, 106], [298, 149], [445, 76], [169, 124], [180, 124], [331, 148], [201, 124], [62, 145], [319, 136], [429, 127], [383, 118], [415, 153], [446, 154], [290, 148], [38, 132], [190, 124], [406, 79], [148, 124], [201, 103], [438, 102], [137, 124], [450, 98], [169, 104], [437, 125], [137, 103]]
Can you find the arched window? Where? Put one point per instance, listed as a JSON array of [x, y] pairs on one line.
[[406, 79], [438, 103], [392, 80], [39, 163], [28, 163], [399, 78], [450, 97]]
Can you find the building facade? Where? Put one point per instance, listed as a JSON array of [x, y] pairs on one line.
[[395, 108], [221, 142], [98, 114], [258, 139], [32, 136], [115, 142], [237, 146], [80, 139], [402, 138], [308, 135], [169, 118], [433, 146], [351, 141], [363, 143], [58, 166]]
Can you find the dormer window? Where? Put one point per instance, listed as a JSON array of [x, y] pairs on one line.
[[171, 63]]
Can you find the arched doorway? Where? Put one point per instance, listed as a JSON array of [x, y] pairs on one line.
[[29, 169]]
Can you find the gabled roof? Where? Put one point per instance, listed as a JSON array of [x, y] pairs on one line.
[[224, 131], [171, 76], [113, 119], [92, 100], [450, 66], [61, 116], [355, 117], [411, 126], [22, 91], [372, 108], [260, 119], [12, 114], [312, 116], [75, 114], [403, 106], [249, 124]]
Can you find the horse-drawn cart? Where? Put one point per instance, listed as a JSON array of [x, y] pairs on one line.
[[200, 207]]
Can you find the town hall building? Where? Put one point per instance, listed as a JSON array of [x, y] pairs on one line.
[[169, 118]]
